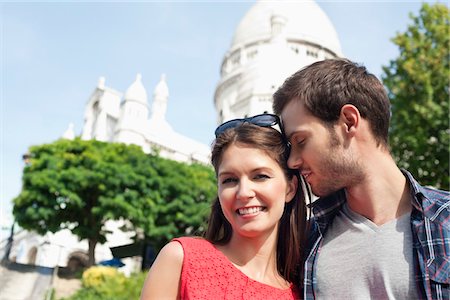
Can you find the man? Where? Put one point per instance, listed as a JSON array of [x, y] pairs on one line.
[[376, 233]]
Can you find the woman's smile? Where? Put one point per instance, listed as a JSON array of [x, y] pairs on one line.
[[252, 210]]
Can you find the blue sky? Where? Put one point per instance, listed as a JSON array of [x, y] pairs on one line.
[[53, 53]]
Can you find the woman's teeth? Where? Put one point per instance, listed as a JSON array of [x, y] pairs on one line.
[[250, 210]]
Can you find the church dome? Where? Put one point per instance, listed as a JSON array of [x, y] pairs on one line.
[[305, 21], [273, 40], [136, 91]]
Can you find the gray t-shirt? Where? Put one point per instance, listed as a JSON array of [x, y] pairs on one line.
[[360, 260]]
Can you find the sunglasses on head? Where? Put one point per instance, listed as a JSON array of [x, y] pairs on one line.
[[263, 120]]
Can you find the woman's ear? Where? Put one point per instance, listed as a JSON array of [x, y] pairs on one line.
[[291, 189], [350, 117]]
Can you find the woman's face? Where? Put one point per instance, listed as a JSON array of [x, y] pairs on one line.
[[253, 190]]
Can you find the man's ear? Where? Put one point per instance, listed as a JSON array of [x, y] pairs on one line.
[[350, 117], [291, 189]]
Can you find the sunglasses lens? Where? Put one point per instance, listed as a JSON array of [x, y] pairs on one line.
[[264, 120], [227, 125]]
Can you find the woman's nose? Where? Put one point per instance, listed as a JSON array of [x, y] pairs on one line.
[[245, 190]]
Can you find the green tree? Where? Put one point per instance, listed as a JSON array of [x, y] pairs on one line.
[[80, 185], [418, 87], [186, 194], [180, 201]]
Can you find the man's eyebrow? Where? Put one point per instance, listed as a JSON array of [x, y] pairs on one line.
[[289, 137]]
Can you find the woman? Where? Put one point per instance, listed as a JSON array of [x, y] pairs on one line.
[[252, 247]]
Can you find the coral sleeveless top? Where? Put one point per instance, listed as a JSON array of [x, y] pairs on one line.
[[208, 274]]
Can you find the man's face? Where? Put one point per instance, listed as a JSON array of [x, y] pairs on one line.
[[318, 151]]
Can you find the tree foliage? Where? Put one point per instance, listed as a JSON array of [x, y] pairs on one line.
[[178, 202], [418, 87], [80, 185]]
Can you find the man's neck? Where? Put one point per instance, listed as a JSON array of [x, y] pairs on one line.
[[384, 194]]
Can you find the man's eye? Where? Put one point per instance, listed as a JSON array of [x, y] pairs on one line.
[[297, 141], [300, 142]]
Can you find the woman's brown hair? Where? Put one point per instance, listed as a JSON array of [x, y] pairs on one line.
[[292, 225]]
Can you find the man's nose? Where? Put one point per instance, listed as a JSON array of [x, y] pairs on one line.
[[294, 161]]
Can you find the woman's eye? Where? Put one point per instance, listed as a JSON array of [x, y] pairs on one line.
[[262, 176], [228, 180]]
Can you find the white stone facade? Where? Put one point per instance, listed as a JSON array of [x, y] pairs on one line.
[[272, 41], [110, 118]]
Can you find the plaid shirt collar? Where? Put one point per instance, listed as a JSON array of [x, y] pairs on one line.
[[429, 201], [324, 209]]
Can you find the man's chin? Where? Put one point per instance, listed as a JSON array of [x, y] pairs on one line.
[[322, 192]]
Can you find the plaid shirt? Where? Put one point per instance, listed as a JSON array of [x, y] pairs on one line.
[[430, 225]]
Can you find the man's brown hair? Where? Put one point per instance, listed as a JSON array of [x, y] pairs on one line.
[[325, 86]]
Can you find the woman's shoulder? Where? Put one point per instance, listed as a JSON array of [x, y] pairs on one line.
[[178, 248], [172, 251], [200, 254], [193, 242], [163, 278]]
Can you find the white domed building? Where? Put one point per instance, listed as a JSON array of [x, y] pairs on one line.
[[272, 41]]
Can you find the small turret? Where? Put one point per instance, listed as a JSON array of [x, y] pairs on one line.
[[160, 98], [133, 115], [136, 91], [69, 134]]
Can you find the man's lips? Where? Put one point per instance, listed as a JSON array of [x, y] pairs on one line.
[[306, 174]]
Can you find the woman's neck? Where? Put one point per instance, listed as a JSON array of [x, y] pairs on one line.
[[256, 258]]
